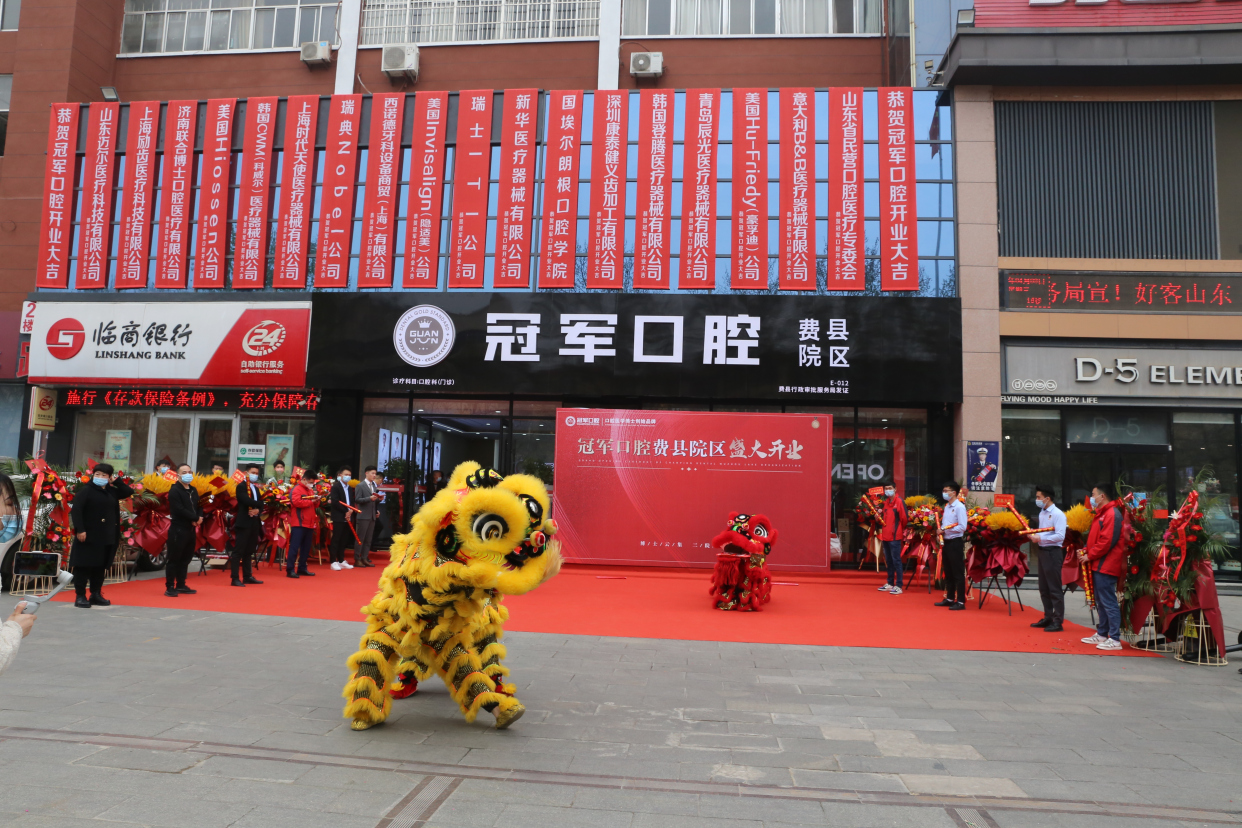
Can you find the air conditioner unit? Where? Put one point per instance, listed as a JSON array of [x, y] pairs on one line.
[[647, 64], [316, 52], [400, 60]]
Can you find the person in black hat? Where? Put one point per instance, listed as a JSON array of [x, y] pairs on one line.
[[248, 521], [186, 514], [96, 519]]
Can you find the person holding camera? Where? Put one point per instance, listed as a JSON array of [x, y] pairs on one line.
[[96, 519], [187, 515], [11, 634]]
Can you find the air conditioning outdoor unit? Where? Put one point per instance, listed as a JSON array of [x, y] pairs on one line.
[[316, 52], [647, 64], [400, 60]]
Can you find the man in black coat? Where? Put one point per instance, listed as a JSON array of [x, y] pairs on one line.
[[339, 501], [186, 515], [96, 519], [248, 523]]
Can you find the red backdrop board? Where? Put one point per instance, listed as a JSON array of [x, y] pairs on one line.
[[654, 487], [131, 271], [58, 178], [172, 250]]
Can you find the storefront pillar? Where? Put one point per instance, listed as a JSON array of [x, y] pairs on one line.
[[338, 430]]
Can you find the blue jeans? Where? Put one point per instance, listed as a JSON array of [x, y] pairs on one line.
[[1107, 608], [892, 560], [300, 540]]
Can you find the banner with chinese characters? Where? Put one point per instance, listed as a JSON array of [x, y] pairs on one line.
[[517, 188], [750, 189], [297, 185], [1101, 292], [213, 194], [426, 192], [56, 229], [608, 172], [227, 344], [845, 189], [820, 350], [471, 174], [98, 169], [176, 200], [383, 184], [797, 267], [336, 212], [188, 398], [698, 190], [655, 189], [557, 248], [131, 270], [615, 468], [250, 247], [899, 227]]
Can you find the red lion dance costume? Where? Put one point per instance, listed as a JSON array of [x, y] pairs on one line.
[[740, 580]]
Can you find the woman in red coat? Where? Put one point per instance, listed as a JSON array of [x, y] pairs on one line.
[[1105, 556], [303, 522]]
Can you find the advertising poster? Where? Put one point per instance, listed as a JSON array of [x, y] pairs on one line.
[[381, 457], [654, 487], [116, 448], [279, 448], [435, 458], [982, 464]]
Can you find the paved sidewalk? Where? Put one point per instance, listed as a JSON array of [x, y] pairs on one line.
[[135, 716]]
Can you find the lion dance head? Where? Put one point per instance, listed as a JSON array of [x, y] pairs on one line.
[[740, 580]]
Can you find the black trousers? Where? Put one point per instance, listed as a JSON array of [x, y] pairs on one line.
[[342, 536], [243, 552], [955, 569], [1050, 560], [94, 575], [181, 542]]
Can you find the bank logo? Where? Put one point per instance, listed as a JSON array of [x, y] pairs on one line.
[[1033, 385], [65, 338], [424, 335], [264, 338]]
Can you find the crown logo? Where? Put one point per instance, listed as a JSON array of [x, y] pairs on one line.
[[424, 323]]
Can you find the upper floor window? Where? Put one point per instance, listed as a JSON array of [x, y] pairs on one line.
[[153, 26], [688, 18], [10, 10], [446, 21], [6, 92]]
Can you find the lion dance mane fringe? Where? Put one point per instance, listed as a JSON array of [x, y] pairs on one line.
[[740, 580]]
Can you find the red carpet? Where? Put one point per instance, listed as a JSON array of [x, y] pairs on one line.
[[838, 609]]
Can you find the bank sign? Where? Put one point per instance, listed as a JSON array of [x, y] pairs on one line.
[[219, 344], [816, 350], [1091, 374]]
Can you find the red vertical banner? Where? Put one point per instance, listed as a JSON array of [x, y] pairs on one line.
[[797, 271], [95, 230], [560, 190], [609, 156], [336, 200], [131, 270], [383, 184], [213, 194], [651, 224], [698, 190], [424, 204], [56, 228], [750, 189], [172, 249], [845, 189], [517, 188], [297, 185], [250, 247], [471, 174], [899, 229]]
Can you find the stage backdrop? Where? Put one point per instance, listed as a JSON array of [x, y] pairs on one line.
[[654, 487]]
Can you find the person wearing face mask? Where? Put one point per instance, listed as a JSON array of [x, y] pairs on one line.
[[1105, 556], [1051, 556], [339, 501], [953, 529], [893, 512], [96, 519], [186, 515], [10, 518], [248, 523], [366, 494], [162, 468]]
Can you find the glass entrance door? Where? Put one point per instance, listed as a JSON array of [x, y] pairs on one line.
[[171, 440], [1137, 468], [198, 439], [214, 442]]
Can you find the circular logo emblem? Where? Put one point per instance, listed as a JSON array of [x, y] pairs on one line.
[[65, 338], [1033, 385], [569, 420], [424, 335], [263, 338], [47, 402]]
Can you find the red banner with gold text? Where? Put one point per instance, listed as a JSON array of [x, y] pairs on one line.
[[59, 177], [95, 230], [608, 171], [471, 173], [213, 194], [297, 178], [845, 189], [250, 246], [132, 258], [750, 189], [655, 188], [797, 270], [899, 229], [340, 175], [698, 192], [383, 184], [560, 190], [517, 188]]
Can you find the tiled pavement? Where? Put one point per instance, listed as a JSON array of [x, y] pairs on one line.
[[133, 716]]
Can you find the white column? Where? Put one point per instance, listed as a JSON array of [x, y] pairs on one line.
[[609, 44], [347, 53]]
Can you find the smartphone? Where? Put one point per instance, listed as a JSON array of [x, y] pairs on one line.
[[46, 564]]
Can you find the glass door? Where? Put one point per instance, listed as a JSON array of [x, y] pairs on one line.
[[215, 442], [1134, 468], [170, 440]]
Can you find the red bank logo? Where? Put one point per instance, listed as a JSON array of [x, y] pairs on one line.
[[48, 402], [263, 338], [65, 338]]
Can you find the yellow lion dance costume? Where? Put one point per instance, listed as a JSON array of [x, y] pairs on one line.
[[438, 608]]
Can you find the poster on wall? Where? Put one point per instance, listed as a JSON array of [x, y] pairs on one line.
[[435, 458], [279, 449], [116, 448], [982, 464], [616, 468], [381, 456]]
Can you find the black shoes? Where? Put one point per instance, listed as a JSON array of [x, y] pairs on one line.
[[185, 590], [236, 582], [307, 573], [957, 606], [251, 581], [171, 593], [1043, 622], [82, 603], [945, 603], [1053, 628], [291, 574], [100, 601]]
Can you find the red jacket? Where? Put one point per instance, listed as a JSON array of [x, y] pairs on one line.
[[302, 502], [893, 510], [1105, 551]]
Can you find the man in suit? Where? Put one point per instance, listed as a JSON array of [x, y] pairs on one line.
[[366, 496], [248, 522], [339, 503], [186, 515], [96, 519]]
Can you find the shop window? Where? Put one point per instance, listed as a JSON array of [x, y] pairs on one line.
[[1030, 454], [1205, 460], [290, 440], [387, 445], [1119, 427], [115, 437], [10, 11], [534, 448], [892, 447], [11, 414]]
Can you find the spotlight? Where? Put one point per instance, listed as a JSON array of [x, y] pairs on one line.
[[109, 93]]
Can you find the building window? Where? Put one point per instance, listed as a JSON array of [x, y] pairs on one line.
[[448, 21], [162, 26], [10, 11], [6, 92], [682, 18]]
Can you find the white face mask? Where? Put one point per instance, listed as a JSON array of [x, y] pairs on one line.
[[1039, 501], [890, 492], [101, 481], [254, 478], [947, 496], [345, 478], [187, 478]]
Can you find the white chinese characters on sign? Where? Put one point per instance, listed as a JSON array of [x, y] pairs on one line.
[[588, 334], [729, 340], [507, 330]]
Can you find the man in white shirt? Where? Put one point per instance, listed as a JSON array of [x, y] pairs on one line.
[[1051, 557], [953, 530]]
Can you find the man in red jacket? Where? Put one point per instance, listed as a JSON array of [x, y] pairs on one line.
[[893, 511], [304, 522], [1105, 556]]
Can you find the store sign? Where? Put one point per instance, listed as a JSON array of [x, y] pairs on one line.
[[190, 343], [42, 409], [251, 451], [1093, 13], [806, 349], [190, 399], [1088, 373], [1122, 292], [615, 468]]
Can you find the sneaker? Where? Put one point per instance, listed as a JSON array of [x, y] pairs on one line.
[[335, 566], [345, 565], [1094, 638], [171, 593], [886, 588], [895, 591], [1109, 644]]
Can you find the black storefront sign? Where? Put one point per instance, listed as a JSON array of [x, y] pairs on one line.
[[1061, 290], [799, 349]]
